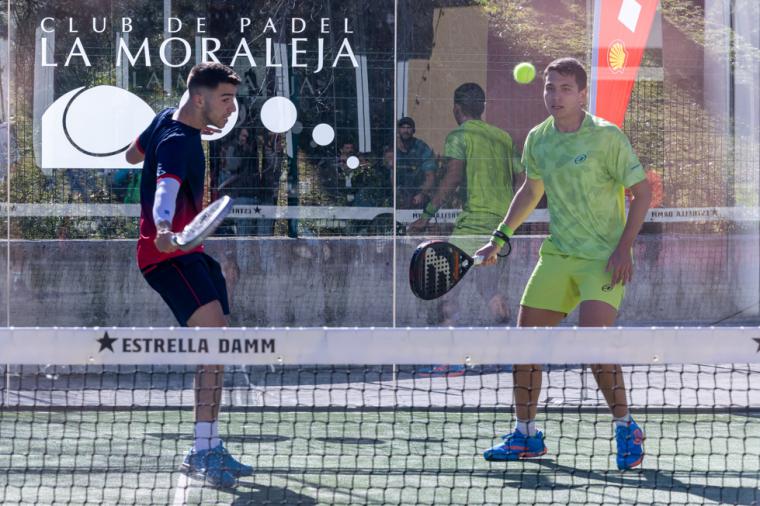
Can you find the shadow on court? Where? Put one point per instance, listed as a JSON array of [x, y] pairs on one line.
[[268, 495], [660, 482], [653, 479]]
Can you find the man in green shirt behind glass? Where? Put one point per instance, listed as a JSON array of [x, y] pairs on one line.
[[482, 158], [583, 163]]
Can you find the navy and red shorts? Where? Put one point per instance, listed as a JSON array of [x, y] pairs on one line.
[[188, 282]]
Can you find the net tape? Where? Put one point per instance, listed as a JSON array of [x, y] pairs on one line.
[[380, 345]]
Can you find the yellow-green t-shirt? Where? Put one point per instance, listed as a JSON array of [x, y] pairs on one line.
[[584, 173], [490, 164]]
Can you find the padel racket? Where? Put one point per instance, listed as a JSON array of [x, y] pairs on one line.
[[203, 224], [436, 268]]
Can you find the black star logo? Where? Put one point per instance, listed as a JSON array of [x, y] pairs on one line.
[[757, 340], [257, 210], [106, 342]]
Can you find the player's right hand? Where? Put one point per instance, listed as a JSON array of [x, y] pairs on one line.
[[164, 242], [489, 253]]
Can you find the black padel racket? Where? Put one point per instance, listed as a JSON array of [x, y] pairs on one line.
[[203, 224], [436, 268]]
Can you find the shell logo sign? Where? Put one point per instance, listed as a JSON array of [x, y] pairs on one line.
[[617, 56]]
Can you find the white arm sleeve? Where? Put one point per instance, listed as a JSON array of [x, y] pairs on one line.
[[165, 201]]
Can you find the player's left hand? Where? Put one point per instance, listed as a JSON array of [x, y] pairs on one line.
[[620, 265]]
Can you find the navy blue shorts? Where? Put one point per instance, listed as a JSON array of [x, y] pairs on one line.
[[188, 282]]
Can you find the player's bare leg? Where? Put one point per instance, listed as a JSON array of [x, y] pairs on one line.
[[595, 313], [525, 441], [628, 434], [527, 377], [208, 378], [209, 459]]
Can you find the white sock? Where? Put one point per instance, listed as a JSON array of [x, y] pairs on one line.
[[206, 435], [527, 427], [623, 421], [215, 440]]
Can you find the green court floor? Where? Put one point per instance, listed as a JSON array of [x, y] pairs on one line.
[[382, 456]]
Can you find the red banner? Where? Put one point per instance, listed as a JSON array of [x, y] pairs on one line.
[[621, 30]]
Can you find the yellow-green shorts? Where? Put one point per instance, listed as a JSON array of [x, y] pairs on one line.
[[560, 282]]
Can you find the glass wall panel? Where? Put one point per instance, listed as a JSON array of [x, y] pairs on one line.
[[682, 88]]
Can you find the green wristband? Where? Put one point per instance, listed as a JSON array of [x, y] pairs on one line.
[[504, 229], [429, 211]]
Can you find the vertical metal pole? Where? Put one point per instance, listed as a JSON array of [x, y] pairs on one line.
[[393, 183], [167, 69]]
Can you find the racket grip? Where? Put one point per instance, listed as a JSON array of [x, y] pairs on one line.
[[477, 260]]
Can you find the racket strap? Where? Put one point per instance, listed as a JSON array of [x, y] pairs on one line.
[[499, 238]]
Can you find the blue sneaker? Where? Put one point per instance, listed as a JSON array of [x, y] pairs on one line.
[[208, 466], [517, 446], [442, 370], [233, 465], [630, 449]]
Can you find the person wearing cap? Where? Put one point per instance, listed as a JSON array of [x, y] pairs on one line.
[[416, 167]]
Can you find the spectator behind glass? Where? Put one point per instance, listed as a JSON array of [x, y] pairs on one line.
[[240, 178], [375, 185], [269, 179], [342, 179], [416, 168]]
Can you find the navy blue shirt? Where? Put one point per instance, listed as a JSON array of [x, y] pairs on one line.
[[172, 149]]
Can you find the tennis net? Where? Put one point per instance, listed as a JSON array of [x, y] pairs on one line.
[[350, 416]]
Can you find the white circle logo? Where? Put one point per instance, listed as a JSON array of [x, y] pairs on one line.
[[278, 114], [352, 162], [323, 134], [120, 119]]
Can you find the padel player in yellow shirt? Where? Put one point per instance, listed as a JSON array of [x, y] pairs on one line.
[[584, 164]]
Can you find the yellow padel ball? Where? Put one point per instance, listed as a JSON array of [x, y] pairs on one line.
[[524, 72]]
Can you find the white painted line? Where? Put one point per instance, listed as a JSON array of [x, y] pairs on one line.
[[181, 491]]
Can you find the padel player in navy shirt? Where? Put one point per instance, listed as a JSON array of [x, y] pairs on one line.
[[191, 282], [174, 158]]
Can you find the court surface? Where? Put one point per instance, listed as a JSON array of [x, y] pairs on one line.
[[362, 436]]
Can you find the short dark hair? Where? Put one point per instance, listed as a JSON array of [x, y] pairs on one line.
[[471, 99], [569, 67], [406, 120], [210, 75]]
